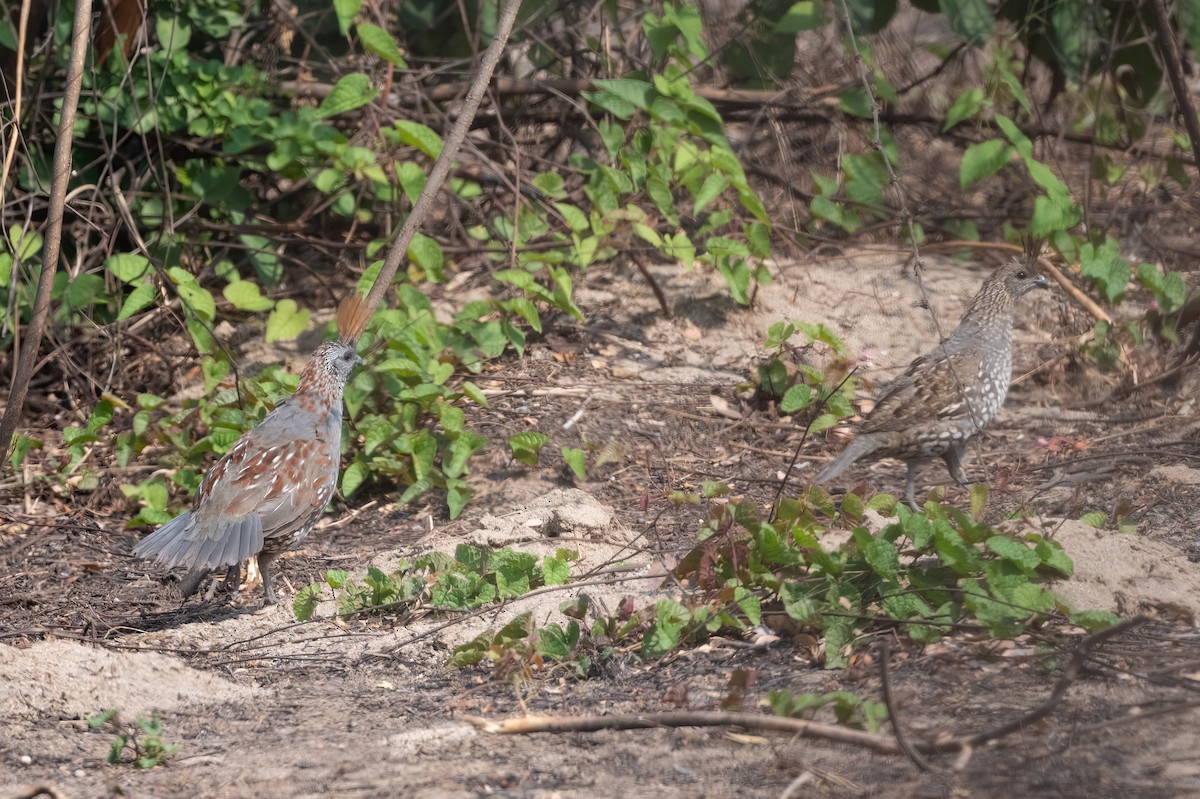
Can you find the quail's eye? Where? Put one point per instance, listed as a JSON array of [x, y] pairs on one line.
[[346, 356], [1022, 274]]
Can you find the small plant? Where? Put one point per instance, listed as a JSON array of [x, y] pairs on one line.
[[849, 708], [527, 446], [520, 648], [800, 387], [576, 459], [926, 575], [140, 743], [1120, 519], [472, 578]]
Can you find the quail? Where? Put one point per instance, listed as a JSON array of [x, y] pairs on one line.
[[949, 394], [264, 496]]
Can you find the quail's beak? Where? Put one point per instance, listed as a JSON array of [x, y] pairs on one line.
[[1041, 282], [358, 361]]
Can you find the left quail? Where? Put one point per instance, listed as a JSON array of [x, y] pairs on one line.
[[264, 496]]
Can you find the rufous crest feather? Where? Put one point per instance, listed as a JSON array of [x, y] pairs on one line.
[[352, 316]]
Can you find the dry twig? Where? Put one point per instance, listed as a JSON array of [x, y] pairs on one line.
[[441, 170], [883, 744]]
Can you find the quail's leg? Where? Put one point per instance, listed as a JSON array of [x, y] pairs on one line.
[[910, 487], [192, 581], [233, 578], [264, 568], [954, 458]]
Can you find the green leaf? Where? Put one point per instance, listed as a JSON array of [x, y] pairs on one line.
[[527, 446], [377, 41], [423, 137], [966, 106], [871, 16], [550, 184], [306, 601], [346, 11], [197, 299], [351, 92], [803, 16], [979, 500], [336, 578], [1015, 552], [458, 494], [576, 220], [412, 179], [172, 33], [1051, 214], [26, 244], [427, 254], [556, 643], [796, 398], [799, 603], [713, 185], [556, 571], [669, 620], [1053, 557], [82, 291], [8, 35], [577, 460], [953, 550], [856, 102], [127, 267], [621, 97], [287, 321], [883, 558], [1094, 620], [355, 475], [822, 423], [1169, 290], [983, 160], [971, 20], [247, 296], [1106, 268]]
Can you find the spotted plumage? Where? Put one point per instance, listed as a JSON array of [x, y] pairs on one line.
[[264, 496], [949, 394]]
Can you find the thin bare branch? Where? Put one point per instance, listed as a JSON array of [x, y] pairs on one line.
[[441, 170]]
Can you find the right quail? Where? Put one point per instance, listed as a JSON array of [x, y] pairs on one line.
[[949, 394], [264, 496]]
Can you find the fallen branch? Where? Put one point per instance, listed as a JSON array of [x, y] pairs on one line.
[[893, 716], [688, 718], [1082, 652], [883, 744]]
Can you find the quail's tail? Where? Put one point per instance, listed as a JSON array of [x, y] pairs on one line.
[[165, 542], [181, 542], [860, 447]]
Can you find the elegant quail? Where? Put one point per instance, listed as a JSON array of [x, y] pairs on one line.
[[264, 496], [950, 393]]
